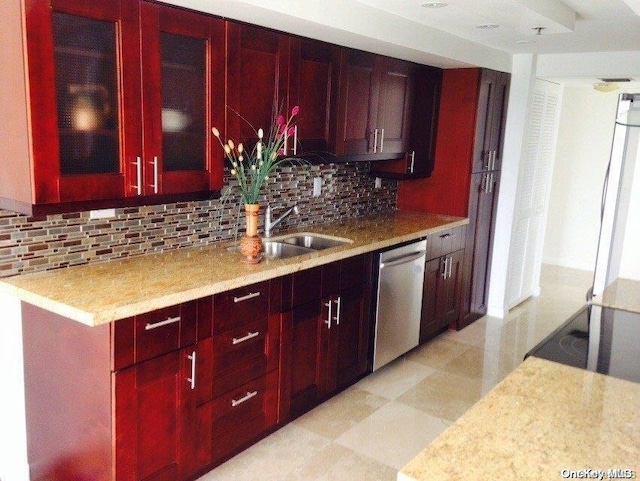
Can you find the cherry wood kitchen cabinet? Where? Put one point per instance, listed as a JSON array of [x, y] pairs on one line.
[[443, 282], [375, 101], [420, 153], [258, 66], [325, 335], [313, 83], [91, 144], [490, 120]]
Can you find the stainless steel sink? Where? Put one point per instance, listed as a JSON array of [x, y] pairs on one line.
[[315, 242], [282, 250]]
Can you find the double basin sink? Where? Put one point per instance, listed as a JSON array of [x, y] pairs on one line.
[[299, 244]]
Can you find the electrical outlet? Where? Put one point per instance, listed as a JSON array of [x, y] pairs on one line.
[[378, 183], [317, 186], [102, 214]]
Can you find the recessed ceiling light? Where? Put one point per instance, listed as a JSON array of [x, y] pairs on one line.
[[434, 4], [487, 26]]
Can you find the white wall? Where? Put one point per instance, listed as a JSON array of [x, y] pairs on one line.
[[582, 153]]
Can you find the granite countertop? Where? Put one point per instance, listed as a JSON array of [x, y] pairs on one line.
[[621, 294], [543, 421], [99, 293]]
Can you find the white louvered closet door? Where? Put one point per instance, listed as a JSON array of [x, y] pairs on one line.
[[532, 199]]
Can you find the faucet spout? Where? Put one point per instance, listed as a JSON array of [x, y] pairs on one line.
[[269, 224]]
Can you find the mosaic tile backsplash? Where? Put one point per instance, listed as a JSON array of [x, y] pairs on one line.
[[62, 240]]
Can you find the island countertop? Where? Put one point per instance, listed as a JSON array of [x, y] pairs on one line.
[[543, 421], [621, 294], [99, 293]]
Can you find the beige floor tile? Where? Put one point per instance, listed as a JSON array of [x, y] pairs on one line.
[[444, 395], [394, 434], [341, 413], [437, 352], [338, 463], [473, 334], [395, 378], [270, 459]]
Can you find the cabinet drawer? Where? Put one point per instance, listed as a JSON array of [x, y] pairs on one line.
[[154, 333], [244, 414], [446, 242], [241, 305], [239, 355]]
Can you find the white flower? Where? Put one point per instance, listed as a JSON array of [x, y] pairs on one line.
[[240, 147], [240, 158], [216, 132], [233, 171], [261, 163], [227, 149], [266, 177], [253, 167], [231, 143], [235, 164], [260, 133]]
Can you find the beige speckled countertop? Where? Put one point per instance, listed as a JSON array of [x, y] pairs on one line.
[[103, 292], [621, 294], [540, 420]]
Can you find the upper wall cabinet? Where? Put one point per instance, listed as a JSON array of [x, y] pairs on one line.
[[375, 101], [258, 62], [419, 154], [108, 123], [313, 83]]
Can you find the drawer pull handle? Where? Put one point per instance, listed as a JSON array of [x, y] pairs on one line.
[[245, 398], [446, 236], [155, 325], [246, 298], [251, 335]]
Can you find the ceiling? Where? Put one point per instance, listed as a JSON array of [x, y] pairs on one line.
[[569, 25], [449, 37]]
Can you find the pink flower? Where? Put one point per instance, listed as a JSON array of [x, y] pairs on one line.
[[280, 120], [295, 110], [291, 131]]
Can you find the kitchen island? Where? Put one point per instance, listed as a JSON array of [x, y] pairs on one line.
[[543, 421]]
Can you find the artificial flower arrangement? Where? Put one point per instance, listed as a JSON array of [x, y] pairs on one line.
[[252, 169]]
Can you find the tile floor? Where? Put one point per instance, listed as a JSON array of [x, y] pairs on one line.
[[371, 430]]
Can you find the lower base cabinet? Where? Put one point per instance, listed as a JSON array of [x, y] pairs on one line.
[[169, 394], [443, 283], [325, 339]]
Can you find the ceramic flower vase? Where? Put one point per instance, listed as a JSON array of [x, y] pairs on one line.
[[251, 243]]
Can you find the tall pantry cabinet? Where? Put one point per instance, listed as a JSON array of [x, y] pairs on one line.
[[466, 175]]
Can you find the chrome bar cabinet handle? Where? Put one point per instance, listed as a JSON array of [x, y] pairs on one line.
[[329, 318], [138, 186], [337, 317], [246, 298], [192, 379], [155, 325], [240, 340], [245, 398]]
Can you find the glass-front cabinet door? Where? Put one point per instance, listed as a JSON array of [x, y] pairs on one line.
[[183, 98], [123, 96], [79, 97]]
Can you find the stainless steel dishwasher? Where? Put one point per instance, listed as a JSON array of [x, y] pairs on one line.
[[399, 301]]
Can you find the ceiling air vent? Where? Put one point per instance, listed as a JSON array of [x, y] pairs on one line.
[[616, 80]]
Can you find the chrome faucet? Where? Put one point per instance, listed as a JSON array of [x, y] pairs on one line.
[[269, 224]]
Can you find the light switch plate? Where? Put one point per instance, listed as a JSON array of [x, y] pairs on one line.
[[317, 186]]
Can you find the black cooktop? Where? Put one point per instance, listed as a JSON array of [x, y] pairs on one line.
[[599, 339]]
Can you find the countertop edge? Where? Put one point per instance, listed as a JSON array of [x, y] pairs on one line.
[[115, 313]]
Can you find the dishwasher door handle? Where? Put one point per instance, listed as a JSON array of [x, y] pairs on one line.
[[403, 259]]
